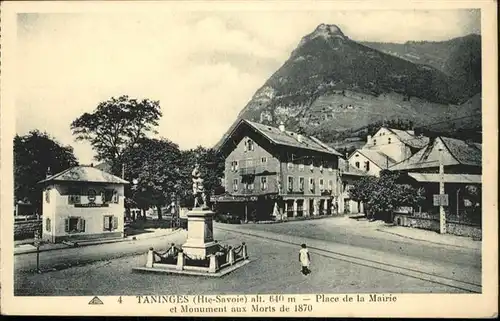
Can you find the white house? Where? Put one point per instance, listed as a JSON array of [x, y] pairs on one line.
[[81, 203], [385, 148]]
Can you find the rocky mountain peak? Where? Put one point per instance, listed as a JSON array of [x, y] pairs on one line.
[[327, 31]]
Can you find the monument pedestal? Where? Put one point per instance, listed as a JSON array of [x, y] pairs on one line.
[[200, 241]]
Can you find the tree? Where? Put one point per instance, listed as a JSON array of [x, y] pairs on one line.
[[116, 124], [383, 194], [156, 165], [34, 154], [361, 191]]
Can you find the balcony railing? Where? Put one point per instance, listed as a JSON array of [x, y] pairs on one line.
[[255, 170]]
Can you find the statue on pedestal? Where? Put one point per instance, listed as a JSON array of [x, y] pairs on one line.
[[200, 198]]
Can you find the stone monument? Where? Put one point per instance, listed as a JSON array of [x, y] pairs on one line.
[[200, 241]]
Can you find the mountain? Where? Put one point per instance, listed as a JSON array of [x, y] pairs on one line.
[[459, 58], [331, 86]]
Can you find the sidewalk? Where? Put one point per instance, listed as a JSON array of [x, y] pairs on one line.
[[26, 246], [431, 236]]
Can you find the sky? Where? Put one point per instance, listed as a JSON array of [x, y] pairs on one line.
[[203, 66]]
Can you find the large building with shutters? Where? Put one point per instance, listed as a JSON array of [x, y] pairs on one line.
[[82, 203], [273, 172]]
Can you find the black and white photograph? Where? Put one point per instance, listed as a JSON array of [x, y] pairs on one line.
[[239, 156]]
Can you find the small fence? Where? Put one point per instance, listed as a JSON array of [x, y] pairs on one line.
[[175, 258]]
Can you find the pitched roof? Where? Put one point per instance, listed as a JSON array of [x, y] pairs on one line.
[[461, 152], [104, 166], [349, 170], [378, 158], [464, 152], [409, 138], [285, 138], [84, 174]]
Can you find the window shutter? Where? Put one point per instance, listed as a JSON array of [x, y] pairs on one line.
[[82, 225], [106, 223], [115, 222], [66, 224], [79, 225], [47, 225]]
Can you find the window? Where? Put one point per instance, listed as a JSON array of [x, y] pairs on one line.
[[367, 165], [321, 184], [234, 166], [110, 223], [249, 145], [116, 197], [91, 195], [290, 165], [263, 183], [389, 140], [357, 164], [47, 224], [374, 142], [301, 184], [301, 167], [74, 224], [311, 184], [249, 162], [108, 196], [290, 183], [263, 160], [235, 184], [47, 196], [74, 197], [250, 186]]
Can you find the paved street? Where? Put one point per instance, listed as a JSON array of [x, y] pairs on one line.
[[342, 262], [364, 234]]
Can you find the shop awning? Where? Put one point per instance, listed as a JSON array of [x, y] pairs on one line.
[[448, 178]]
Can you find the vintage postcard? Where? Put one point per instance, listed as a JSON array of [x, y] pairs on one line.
[[249, 158]]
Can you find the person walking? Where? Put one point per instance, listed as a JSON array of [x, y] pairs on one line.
[[304, 259]]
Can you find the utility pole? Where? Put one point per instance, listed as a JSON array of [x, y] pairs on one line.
[[442, 214]]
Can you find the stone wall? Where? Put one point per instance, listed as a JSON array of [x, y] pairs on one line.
[[432, 224], [463, 229], [26, 229]]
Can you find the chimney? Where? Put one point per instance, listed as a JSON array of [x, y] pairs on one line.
[[48, 173], [369, 139], [91, 164], [300, 138], [282, 127]]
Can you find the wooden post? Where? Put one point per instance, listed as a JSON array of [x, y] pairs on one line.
[[150, 258], [213, 267], [442, 214], [244, 252], [37, 244], [180, 261], [230, 255]]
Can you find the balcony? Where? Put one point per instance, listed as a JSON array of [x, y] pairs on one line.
[[255, 170]]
